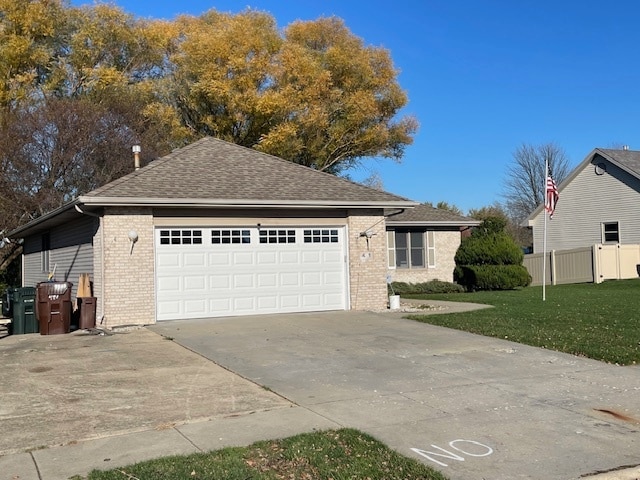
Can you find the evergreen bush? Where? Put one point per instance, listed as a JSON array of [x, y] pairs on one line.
[[490, 259], [492, 277], [433, 286]]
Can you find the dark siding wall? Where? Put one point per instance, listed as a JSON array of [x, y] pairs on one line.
[[71, 253]]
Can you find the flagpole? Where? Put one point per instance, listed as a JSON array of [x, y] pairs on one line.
[[544, 241]]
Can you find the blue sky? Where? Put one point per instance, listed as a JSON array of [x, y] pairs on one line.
[[483, 77]]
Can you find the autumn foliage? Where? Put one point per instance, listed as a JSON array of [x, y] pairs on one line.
[[80, 85]]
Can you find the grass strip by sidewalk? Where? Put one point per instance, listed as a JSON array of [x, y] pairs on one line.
[[599, 321], [333, 454]]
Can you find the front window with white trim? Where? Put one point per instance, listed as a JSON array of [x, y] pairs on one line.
[[411, 248]]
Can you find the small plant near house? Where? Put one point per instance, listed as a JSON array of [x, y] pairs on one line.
[[433, 286], [490, 259]]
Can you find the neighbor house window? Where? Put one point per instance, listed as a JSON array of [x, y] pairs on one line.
[[610, 232], [410, 248]]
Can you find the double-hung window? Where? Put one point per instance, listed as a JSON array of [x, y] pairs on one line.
[[610, 232], [410, 248]]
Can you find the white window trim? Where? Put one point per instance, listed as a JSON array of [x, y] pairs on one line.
[[429, 249], [391, 249], [602, 232]]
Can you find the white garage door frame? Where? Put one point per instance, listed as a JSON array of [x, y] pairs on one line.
[[217, 271]]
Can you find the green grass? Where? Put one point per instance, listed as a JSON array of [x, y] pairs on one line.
[[597, 321], [333, 454]]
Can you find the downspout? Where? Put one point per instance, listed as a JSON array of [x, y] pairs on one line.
[[102, 276]]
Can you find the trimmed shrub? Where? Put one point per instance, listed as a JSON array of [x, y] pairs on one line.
[[490, 259], [492, 277], [434, 286], [495, 248]]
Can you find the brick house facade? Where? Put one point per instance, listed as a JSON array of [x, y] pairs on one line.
[[422, 243], [199, 217]]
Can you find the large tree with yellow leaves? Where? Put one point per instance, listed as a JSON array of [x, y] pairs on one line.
[[80, 85]]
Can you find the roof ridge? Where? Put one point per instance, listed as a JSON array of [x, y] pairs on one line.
[[297, 165], [214, 168]]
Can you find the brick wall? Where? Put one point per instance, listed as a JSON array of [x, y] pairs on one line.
[[129, 283], [367, 260], [447, 244]]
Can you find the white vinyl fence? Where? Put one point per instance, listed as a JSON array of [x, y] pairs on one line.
[[596, 263]]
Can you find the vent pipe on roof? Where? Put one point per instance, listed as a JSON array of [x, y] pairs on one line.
[[625, 147], [136, 156]]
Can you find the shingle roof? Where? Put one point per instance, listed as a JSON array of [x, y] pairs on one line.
[[215, 170], [625, 158], [628, 160], [427, 215]]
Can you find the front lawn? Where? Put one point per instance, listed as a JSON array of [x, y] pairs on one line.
[[333, 454], [600, 321]]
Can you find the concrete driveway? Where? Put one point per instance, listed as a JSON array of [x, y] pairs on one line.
[[63, 389], [471, 406]]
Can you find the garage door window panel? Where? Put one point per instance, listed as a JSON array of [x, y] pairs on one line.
[[321, 236], [228, 236], [180, 237], [277, 236]]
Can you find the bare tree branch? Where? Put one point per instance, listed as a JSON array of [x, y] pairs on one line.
[[524, 184]]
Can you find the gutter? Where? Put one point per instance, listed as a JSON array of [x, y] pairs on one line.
[[467, 223], [44, 218], [237, 203], [88, 201]]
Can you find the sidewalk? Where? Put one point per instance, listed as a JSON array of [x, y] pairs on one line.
[[60, 463]]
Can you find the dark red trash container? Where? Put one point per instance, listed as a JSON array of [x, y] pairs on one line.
[[53, 307], [87, 307]]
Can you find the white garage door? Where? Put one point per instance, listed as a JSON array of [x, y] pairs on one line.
[[214, 272]]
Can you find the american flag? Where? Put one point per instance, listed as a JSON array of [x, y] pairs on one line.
[[551, 196]]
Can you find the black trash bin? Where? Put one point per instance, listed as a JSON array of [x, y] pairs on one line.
[[53, 306], [21, 308]]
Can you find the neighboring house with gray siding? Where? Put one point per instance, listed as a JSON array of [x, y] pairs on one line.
[[215, 229], [422, 243], [598, 204]]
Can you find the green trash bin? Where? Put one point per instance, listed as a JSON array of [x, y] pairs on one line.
[[23, 309]]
